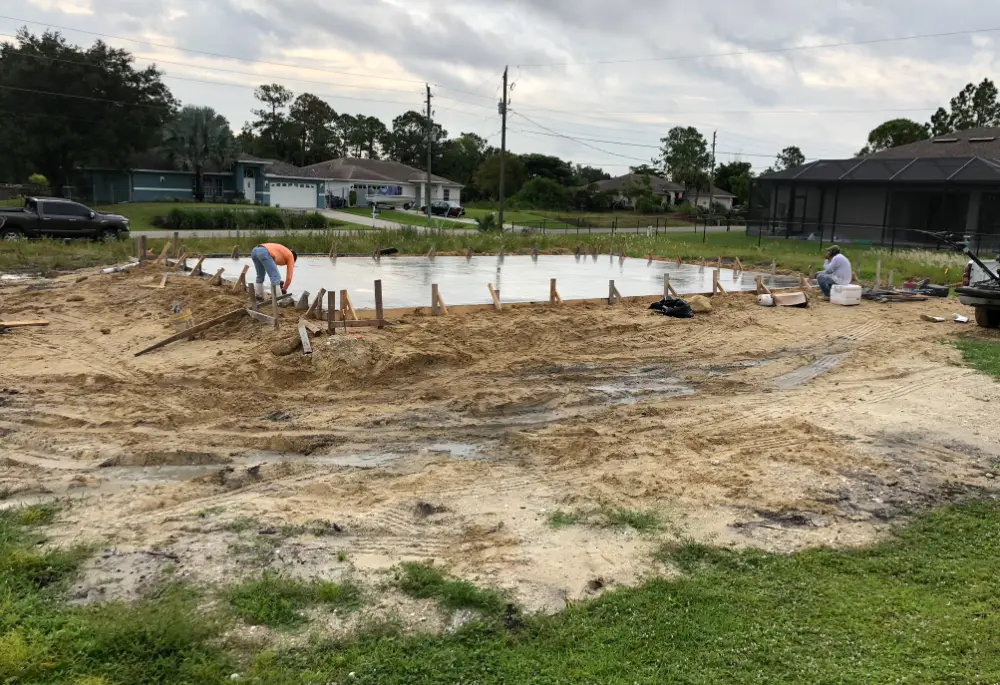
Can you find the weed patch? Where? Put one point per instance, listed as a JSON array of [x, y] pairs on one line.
[[277, 602], [642, 521], [423, 581], [982, 355]]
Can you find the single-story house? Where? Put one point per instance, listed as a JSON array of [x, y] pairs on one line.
[[671, 193], [947, 184], [152, 177]]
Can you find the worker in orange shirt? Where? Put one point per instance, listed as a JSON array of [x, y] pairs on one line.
[[267, 257]]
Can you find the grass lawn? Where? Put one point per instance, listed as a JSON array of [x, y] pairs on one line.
[[404, 218], [791, 255], [982, 355], [920, 607]]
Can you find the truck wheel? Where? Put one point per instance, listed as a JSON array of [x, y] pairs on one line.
[[987, 317], [12, 234], [108, 236]]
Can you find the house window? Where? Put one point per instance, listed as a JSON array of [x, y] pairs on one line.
[[447, 194]]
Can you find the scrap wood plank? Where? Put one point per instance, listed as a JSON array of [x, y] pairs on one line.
[[496, 298], [161, 286], [304, 337], [228, 316], [761, 288], [260, 316], [217, 278], [314, 327], [365, 323], [442, 309], [23, 323], [739, 265]]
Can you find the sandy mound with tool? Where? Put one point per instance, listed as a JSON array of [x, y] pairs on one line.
[[780, 428]]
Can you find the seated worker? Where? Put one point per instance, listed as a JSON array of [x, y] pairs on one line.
[[836, 271], [266, 259]]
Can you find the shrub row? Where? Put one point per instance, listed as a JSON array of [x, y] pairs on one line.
[[184, 219]]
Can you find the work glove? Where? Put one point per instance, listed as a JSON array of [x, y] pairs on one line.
[[284, 291]]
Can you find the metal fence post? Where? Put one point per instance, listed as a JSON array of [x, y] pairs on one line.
[[892, 249]]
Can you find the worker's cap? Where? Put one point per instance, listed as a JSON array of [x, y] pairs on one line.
[[834, 250]]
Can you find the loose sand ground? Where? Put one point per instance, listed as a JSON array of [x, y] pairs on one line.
[[454, 438]]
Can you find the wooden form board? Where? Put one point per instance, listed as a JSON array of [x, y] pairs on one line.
[[196, 271], [438, 307], [228, 316], [316, 308], [162, 284], [179, 264], [331, 309], [668, 289], [217, 278], [163, 254], [346, 306], [259, 316]]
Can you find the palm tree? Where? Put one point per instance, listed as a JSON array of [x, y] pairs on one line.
[[195, 137]]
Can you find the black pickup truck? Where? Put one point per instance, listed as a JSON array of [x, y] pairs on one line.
[[50, 217]]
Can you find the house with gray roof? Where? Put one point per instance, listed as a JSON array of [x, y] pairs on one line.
[[897, 197], [152, 176], [672, 193]]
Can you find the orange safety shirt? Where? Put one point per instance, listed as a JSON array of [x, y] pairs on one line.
[[282, 256]]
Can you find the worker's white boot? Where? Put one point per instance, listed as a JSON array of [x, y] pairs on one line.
[[258, 289]]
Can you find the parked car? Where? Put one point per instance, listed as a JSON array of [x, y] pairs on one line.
[[981, 291], [445, 208], [50, 217]]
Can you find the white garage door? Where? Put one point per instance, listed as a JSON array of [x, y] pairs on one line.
[[293, 195]]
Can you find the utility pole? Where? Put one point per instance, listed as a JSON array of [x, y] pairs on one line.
[[430, 142], [503, 141], [711, 178]]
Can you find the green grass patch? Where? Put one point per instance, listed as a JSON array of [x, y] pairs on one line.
[[982, 355], [242, 524], [606, 516], [920, 606], [277, 601], [424, 581]]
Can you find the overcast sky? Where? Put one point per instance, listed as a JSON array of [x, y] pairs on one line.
[[384, 51]]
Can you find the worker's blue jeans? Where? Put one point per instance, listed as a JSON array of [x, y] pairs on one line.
[[264, 263], [825, 282]]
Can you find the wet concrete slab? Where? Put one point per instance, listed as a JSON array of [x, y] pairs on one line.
[[406, 281]]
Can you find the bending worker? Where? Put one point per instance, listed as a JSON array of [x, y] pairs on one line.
[[267, 257], [836, 271]]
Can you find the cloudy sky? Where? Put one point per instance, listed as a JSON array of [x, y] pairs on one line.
[[613, 76]]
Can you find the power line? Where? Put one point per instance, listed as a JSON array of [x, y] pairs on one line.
[[576, 140], [740, 53]]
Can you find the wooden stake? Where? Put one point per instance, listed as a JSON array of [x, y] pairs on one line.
[[346, 306], [315, 310], [217, 278], [804, 283], [739, 265], [496, 298], [258, 316], [442, 309], [649, 259], [613, 294], [553, 293], [274, 304], [668, 289], [253, 298], [163, 254], [812, 274], [379, 311], [715, 282], [679, 260], [331, 308], [774, 268], [179, 264], [878, 274], [761, 288], [229, 316], [468, 254], [177, 244], [236, 252], [333, 250], [196, 271], [142, 248], [892, 279], [303, 303], [534, 251], [241, 282], [432, 253], [719, 263], [576, 252], [500, 256], [304, 337], [434, 299]]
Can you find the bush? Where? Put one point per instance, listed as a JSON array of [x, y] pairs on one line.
[[353, 198], [226, 219], [38, 180], [488, 224], [543, 193]]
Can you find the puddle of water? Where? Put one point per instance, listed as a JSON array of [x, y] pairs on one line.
[[459, 450], [650, 380]]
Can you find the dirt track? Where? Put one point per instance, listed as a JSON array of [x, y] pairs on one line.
[[453, 438]]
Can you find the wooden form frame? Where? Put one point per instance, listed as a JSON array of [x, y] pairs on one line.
[[496, 298], [347, 307], [241, 282], [668, 289]]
